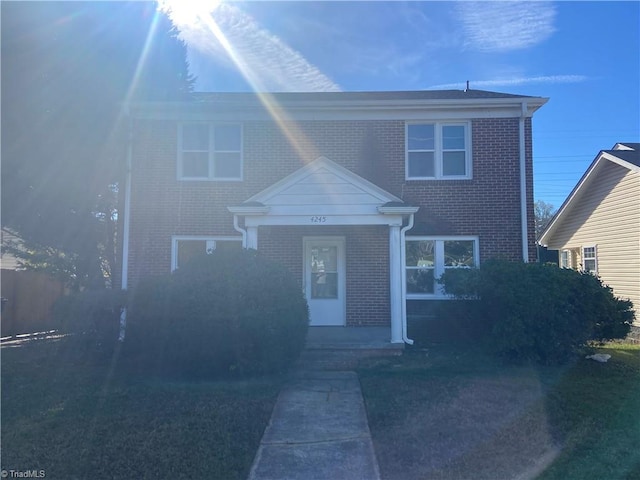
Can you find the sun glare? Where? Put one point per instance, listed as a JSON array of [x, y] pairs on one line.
[[188, 12], [200, 16]]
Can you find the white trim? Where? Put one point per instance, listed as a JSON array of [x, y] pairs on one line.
[[210, 239], [323, 109], [438, 267], [124, 281], [594, 258], [438, 149], [523, 185], [328, 219], [395, 284], [210, 151]]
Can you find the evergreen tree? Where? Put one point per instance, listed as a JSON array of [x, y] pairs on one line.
[[67, 69]]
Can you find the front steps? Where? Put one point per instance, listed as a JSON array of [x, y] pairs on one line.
[[342, 348]]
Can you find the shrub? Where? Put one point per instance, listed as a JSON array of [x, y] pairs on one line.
[[91, 314], [540, 312], [222, 313]]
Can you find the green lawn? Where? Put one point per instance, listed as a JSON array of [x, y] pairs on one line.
[[445, 413], [77, 417]]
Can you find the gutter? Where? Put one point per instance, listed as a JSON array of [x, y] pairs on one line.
[[403, 282], [126, 226], [523, 186], [242, 231]]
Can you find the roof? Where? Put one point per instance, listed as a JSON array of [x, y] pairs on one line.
[[626, 155], [346, 96], [627, 146], [207, 103]]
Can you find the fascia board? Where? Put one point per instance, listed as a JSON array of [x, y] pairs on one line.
[[339, 109], [621, 162]]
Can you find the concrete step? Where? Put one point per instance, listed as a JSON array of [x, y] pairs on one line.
[[341, 359]]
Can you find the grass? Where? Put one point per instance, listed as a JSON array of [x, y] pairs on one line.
[[453, 413], [76, 417]]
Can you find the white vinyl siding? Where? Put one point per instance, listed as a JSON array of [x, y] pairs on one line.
[[607, 214]]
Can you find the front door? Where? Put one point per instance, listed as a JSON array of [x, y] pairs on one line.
[[324, 280]]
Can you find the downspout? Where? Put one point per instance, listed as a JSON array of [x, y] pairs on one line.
[[126, 226], [403, 281], [237, 228], [523, 186]]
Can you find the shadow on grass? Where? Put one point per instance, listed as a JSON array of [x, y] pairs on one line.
[[78, 411]]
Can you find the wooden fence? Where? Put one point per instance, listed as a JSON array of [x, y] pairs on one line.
[[29, 301]]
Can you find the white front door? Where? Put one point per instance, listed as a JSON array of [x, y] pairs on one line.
[[324, 280]]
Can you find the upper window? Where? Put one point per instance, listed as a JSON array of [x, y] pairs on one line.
[[438, 151], [589, 259], [210, 151], [427, 258], [185, 248]]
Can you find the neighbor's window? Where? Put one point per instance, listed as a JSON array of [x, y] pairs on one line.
[[426, 259], [210, 151], [185, 248], [565, 259], [438, 151], [589, 259]]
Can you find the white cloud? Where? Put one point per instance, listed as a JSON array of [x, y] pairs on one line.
[[267, 62], [505, 26], [508, 82]]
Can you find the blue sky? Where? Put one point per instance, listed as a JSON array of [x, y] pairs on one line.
[[584, 56]]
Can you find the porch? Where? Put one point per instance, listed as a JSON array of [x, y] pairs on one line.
[[341, 348]]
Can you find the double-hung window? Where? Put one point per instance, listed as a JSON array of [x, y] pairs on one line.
[[209, 151], [589, 259], [184, 248], [438, 151], [427, 258]]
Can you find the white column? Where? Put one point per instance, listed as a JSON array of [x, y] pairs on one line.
[[395, 278], [252, 237]]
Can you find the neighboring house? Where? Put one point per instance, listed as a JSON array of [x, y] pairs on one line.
[[597, 228], [366, 197]]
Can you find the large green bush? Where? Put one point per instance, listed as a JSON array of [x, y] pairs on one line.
[[222, 313], [540, 312], [92, 315]]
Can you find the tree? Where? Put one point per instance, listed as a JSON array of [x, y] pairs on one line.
[[543, 212], [68, 67]]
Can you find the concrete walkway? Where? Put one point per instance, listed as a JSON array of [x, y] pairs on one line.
[[318, 431]]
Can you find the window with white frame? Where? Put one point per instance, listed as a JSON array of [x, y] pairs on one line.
[[565, 259], [438, 151], [427, 258], [589, 259], [184, 248], [209, 151]]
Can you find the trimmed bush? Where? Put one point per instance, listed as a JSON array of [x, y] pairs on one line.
[[225, 313], [91, 314], [539, 312]]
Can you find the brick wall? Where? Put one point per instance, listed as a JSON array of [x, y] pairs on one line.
[[487, 205], [367, 257]]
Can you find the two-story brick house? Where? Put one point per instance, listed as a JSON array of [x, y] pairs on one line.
[[367, 197]]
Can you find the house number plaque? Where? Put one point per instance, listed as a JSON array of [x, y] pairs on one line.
[[318, 219]]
